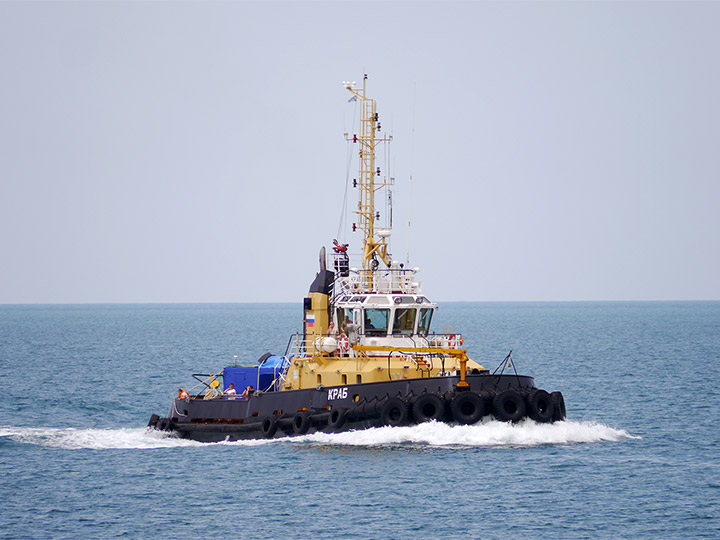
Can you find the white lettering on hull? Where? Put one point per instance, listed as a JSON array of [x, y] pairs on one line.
[[337, 393]]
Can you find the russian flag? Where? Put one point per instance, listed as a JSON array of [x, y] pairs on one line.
[[310, 320]]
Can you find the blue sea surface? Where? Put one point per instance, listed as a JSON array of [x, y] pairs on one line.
[[638, 456]]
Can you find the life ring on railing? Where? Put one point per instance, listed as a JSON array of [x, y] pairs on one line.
[[452, 341], [343, 342]]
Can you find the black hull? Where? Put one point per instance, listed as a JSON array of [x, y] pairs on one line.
[[360, 406]]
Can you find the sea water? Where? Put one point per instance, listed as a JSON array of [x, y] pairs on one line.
[[638, 456]]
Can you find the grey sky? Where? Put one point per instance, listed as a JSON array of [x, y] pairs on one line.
[[171, 152]]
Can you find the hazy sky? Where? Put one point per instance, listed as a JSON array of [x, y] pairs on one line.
[[194, 152]]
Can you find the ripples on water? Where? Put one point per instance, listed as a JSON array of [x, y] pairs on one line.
[[637, 458]]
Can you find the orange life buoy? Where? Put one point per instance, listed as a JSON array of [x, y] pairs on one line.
[[343, 342], [183, 394]]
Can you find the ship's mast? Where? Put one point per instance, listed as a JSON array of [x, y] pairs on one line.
[[374, 245]]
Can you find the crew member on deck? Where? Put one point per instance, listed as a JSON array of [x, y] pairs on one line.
[[247, 392], [231, 389], [182, 394], [332, 331], [351, 330]]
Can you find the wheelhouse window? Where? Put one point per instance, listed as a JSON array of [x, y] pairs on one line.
[[424, 321], [404, 323], [376, 322]]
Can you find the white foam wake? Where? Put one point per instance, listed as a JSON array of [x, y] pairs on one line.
[[97, 439], [487, 434]]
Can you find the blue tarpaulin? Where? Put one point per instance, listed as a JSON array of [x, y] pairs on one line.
[[260, 377]]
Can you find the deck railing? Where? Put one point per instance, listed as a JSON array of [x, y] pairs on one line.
[[310, 345], [351, 280]]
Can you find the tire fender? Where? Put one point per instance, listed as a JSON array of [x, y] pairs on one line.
[[467, 408], [428, 407], [558, 401], [539, 406], [395, 412], [509, 406], [269, 426], [301, 423], [337, 418]]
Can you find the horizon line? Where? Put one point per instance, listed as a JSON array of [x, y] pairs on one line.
[[279, 302]]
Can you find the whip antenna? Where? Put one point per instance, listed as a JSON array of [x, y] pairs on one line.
[[342, 226], [412, 166]]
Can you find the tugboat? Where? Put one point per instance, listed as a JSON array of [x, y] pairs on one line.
[[366, 356]]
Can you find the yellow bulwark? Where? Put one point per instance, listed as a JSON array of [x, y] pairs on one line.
[[394, 364]]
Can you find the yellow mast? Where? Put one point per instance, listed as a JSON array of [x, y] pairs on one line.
[[369, 123]]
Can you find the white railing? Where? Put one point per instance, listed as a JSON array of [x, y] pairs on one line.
[[339, 345], [387, 281]]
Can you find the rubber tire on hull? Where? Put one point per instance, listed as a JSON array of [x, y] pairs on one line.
[[539, 406], [509, 406], [395, 412], [337, 418], [447, 399], [558, 401], [488, 396], [269, 426], [153, 420], [428, 407], [467, 408], [301, 423], [366, 410]]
